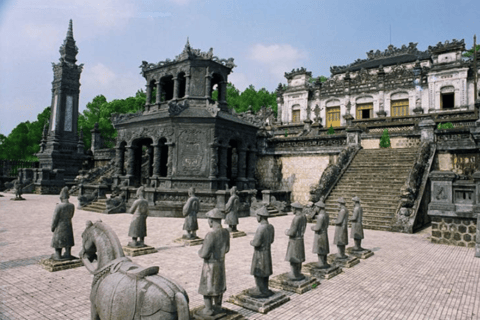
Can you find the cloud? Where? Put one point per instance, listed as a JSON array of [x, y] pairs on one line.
[[239, 80], [100, 75], [277, 58]]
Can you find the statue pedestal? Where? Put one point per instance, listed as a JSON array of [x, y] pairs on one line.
[[362, 254], [17, 199], [189, 242], [138, 251], [58, 265], [348, 262], [262, 305], [237, 234], [284, 283], [224, 314], [319, 273]]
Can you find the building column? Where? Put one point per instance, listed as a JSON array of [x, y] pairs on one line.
[[208, 86], [252, 159], [157, 153], [170, 170], [187, 84], [150, 161], [223, 162], [175, 88], [159, 92], [131, 161], [223, 92], [213, 160], [149, 94], [120, 157]]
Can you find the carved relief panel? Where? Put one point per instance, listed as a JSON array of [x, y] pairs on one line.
[[197, 82], [192, 152]]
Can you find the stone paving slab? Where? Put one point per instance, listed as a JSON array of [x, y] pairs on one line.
[[407, 278]]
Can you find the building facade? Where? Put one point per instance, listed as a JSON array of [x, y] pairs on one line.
[[397, 82]]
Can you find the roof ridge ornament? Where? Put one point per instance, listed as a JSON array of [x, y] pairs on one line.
[[297, 71], [448, 46]]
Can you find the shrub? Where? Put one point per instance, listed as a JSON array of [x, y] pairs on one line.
[[385, 139], [330, 130], [286, 132], [447, 125]]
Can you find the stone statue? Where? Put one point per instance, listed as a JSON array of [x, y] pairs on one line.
[[138, 226], [62, 227], [18, 190], [122, 289], [116, 203], [320, 239], [190, 210], [341, 229], [262, 256], [231, 209], [213, 280], [357, 228], [296, 246]]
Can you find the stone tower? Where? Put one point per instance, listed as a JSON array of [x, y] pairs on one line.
[[62, 149]]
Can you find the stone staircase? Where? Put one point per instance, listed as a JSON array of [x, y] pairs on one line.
[[376, 176], [97, 206]]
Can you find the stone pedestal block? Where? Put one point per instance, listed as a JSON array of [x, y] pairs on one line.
[[133, 252], [18, 199], [189, 242], [348, 262], [262, 305], [55, 265], [237, 234], [362, 254], [224, 314], [284, 283], [318, 273]]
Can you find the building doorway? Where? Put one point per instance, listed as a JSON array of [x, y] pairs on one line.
[[447, 100], [364, 111]]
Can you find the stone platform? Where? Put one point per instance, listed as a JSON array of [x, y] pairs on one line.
[[17, 199], [318, 273], [282, 282], [362, 254], [189, 242], [262, 305], [58, 265], [237, 234], [225, 314], [349, 262], [140, 251]]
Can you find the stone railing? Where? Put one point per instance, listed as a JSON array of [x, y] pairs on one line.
[[10, 168], [307, 143]]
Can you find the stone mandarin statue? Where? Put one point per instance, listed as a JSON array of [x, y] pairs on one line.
[[341, 229], [320, 239], [18, 189], [190, 210], [138, 226], [231, 209], [357, 228], [213, 279], [296, 246], [62, 227], [262, 256]]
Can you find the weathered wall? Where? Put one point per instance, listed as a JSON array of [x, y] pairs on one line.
[[296, 173], [396, 142], [460, 163], [454, 231]]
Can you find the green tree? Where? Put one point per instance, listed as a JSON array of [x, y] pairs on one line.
[[331, 130], [249, 99], [469, 53], [385, 139], [321, 78]]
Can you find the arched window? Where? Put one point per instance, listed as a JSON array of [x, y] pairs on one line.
[[399, 104], [181, 84], [296, 113], [167, 88]]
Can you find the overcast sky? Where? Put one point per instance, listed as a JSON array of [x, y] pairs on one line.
[[266, 39]]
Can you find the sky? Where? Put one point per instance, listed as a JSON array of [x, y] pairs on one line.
[[266, 39]]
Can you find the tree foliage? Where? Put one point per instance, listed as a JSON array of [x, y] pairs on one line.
[[249, 99], [331, 130], [24, 140], [385, 139], [469, 53]]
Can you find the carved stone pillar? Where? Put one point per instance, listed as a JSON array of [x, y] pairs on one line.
[[149, 94], [242, 182], [131, 161], [170, 166], [223, 162], [157, 153], [175, 87], [223, 92], [208, 86], [120, 157], [150, 161], [187, 84], [252, 159], [213, 160], [159, 92]]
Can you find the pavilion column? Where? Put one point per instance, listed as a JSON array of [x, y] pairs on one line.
[[175, 88], [252, 159], [208, 86], [170, 165], [149, 94], [130, 161], [150, 160], [223, 92], [223, 162], [157, 153], [214, 160], [120, 157], [159, 92], [187, 84]]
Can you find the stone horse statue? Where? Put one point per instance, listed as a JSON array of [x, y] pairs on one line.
[[122, 289]]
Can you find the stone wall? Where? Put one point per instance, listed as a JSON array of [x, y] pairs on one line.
[[268, 173], [460, 163], [454, 231], [307, 170], [396, 143]]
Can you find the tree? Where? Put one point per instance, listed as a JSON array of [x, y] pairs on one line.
[[331, 130], [469, 53], [320, 78], [385, 139]]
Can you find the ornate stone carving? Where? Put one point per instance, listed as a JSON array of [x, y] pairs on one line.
[[174, 109], [213, 108], [448, 46], [294, 72], [118, 117]]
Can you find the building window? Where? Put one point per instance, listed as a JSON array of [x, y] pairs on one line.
[[447, 100], [364, 111], [296, 116], [399, 108], [333, 117]]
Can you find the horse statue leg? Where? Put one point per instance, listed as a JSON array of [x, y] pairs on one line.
[[183, 311], [93, 312]]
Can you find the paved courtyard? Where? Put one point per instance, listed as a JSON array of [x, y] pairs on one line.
[[407, 278]]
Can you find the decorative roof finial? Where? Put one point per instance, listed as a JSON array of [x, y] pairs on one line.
[[69, 50], [70, 30], [187, 45]]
